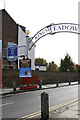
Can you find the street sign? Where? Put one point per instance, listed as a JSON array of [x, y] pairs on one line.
[[25, 68], [12, 52]]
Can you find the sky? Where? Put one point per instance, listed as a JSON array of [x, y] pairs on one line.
[[36, 14]]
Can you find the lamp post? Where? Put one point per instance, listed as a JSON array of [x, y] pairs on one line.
[[27, 41], [27, 45]]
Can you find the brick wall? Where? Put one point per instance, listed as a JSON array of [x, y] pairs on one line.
[[10, 75], [9, 30]]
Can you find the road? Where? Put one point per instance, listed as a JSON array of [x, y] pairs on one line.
[[22, 104]]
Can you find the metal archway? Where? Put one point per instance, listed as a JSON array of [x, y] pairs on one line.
[[53, 29]]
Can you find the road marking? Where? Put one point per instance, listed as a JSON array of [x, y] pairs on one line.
[[27, 116], [50, 109], [6, 104]]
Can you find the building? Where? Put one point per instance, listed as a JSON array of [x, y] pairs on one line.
[[11, 32]]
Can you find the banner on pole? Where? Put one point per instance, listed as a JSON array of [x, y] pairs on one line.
[[25, 68]]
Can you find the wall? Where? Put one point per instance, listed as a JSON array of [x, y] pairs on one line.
[[9, 34], [9, 29], [10, 75], [0, 63], [0, 24]]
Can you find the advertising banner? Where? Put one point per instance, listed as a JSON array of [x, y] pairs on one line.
[[25, 68], [25, 72]]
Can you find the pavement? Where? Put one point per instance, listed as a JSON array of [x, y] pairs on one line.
[[65, 111], [5, 91]]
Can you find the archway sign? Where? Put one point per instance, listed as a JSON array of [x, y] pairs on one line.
[[55, 28]]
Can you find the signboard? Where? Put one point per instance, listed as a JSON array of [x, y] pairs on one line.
[[25, 72], [25, 68], [65, 27], [55, 28], [12, 52]]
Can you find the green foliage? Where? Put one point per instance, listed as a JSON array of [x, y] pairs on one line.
[[40, 61], [52, 66], [67, 65]]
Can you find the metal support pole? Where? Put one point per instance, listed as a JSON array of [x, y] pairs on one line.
[[44, 106], [23, 80], [27, 38], [27, 80]]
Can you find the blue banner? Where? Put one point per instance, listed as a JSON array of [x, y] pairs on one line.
[[25, 72], [12, 51]]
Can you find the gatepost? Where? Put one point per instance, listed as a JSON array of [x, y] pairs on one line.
[[44, 106]]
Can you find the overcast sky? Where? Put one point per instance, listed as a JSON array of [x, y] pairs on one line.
[[36, 14]]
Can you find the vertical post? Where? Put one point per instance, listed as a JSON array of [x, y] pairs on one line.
[[69, 83], [27, 41], [14, 85], [0, 63], [40, 84], [36, 80], [27, 80], [0, 73], [44, 106], [79, 57], [57, 84], [23, 80], [27, 38]]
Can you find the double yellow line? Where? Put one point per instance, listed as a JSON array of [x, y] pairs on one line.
[[50, 109]]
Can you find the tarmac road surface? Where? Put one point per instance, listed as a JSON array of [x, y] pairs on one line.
[[23, 104]]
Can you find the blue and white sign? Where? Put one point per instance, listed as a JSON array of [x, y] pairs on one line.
[[25, 72], [12, 52]]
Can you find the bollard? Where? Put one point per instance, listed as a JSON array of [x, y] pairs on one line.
[[14, 85], [44, 106], [40, 84], [69, 83], [57, 85]]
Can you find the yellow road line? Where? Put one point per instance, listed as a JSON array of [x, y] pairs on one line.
[[30, 115], [50, 109]]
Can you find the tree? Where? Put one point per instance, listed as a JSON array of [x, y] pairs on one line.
[[40, 61], [67, 65], [52, 66]]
